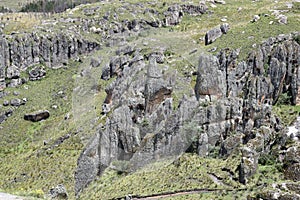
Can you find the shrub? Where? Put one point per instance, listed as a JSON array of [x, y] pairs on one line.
[[284, 99]]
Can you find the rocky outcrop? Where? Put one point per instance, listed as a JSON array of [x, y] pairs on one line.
[[53, 49], [213, 86], [229, 111], [21, 51], [215, 33]]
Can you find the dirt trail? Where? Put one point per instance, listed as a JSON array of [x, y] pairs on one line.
[[175, 193], [5, 196]]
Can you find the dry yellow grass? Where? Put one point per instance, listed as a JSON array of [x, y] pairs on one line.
[[14, 4], [21, 21]]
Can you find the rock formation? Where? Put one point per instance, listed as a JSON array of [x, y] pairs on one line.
[[229, 111]]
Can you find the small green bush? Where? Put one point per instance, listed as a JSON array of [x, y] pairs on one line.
[[267, 159], [284, 99]]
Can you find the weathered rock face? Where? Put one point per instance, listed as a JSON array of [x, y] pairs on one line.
[[213, 86], [18, 52], [230, 110], [216, 33], [292, 163]]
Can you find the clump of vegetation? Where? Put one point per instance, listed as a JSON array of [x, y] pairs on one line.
[[285, 111], [284, 99], [189, 172], [52, 6]]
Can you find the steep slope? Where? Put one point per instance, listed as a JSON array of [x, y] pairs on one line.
[[131, 74]]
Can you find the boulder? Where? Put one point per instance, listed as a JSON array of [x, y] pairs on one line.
[[89, 165], [96, 62], [224, 28], [5, 115], [5, 103], [255, 18], [173, 15], [58, 192], [282, 19], [212, 35], [13, 72], [37, 73], [38, 116], [158, 56], [215, 33], [249, 164], [206, 84], [17, 102], [194, 9], [15, 82]]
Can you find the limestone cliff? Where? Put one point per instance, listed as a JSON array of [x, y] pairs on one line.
[[229, 109]]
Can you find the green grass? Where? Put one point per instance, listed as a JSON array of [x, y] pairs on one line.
[[287, 113], [26, 164], [29, 168], [13, 4], [187, 173]]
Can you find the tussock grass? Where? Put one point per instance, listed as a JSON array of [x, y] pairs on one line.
[[188, 172]]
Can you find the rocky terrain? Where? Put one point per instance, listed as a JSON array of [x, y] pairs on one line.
[[141, 100]]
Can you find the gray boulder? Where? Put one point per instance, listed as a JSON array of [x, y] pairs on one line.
[[4, 115], [89, 165], [207, 84], [13, 72], [37, 73], [224, 28], [282, 19], [215, 33], [96, 62], [173, 15], [194, 10], [17, 102], [212, 35], [292, 163], [5, 103], [58, 192]]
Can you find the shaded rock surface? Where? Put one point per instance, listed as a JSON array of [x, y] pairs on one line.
[[213, 34], [229, 111], [38, 116], [18, 52]]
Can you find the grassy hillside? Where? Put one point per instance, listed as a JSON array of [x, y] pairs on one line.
[[208, 177], [14, 4], [32, 159]]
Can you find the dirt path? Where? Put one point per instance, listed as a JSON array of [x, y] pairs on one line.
[[4, 196], [176, 193]]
